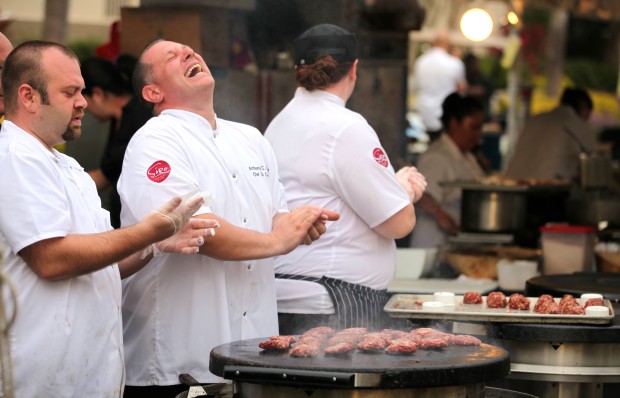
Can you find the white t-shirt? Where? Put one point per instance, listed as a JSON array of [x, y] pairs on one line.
[[436, 75], [179, 307], [67, 337], [330, 157], [442, 162]]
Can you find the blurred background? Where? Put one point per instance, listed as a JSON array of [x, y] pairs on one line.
[[531, 50]]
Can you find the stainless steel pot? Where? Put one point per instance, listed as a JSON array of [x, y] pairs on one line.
[[492, 210], [594, 170]]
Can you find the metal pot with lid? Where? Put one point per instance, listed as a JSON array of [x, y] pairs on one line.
[[499, 205]]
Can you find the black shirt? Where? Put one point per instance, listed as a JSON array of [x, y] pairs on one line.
[[134, 115]]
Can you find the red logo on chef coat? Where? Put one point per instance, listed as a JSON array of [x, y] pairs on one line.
[[158, 171], [380, 157]]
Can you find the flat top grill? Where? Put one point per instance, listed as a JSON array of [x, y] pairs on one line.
[[450, 366]]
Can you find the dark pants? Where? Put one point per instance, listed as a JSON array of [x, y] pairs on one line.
[[154, 391]]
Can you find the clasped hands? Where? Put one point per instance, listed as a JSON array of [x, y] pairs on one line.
[[412, 181]]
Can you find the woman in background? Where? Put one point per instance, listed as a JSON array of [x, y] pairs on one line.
[[330, 156], [449, 158]]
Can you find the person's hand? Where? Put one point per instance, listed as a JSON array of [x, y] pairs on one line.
[[412, 181], [178, 212], [316, 230], [304, 224], [189, 239]]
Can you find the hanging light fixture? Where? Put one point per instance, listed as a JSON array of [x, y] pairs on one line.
[[476, 24]]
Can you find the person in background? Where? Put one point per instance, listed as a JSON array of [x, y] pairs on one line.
[[436, 74], [479, 85], [64, 258], [5, 49], [227, 292], [330, 156], [449, 158], [110, 97], [549, 144]]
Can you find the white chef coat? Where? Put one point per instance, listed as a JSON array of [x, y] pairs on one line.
[[546, 150], [442, 162], [67, 337], [179, 307], [329, 156], [436, 75]]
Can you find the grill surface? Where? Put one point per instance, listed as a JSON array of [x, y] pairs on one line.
[[454, 365]]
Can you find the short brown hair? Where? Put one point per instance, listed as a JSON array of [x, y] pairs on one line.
[[143, 76], [23, 65]]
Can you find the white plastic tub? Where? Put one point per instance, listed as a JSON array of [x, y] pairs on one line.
[[567, 248]]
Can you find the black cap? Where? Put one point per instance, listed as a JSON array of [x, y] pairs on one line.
[[325, 39]]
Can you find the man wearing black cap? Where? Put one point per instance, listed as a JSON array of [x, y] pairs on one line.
[[330, 156]]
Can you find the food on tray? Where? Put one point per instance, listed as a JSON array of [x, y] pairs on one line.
[[546, 307], [518, 301], [570, 305], [496, 300], [472, 298], [594, 301]]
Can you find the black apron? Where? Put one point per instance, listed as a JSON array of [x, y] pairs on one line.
[[354, 305]]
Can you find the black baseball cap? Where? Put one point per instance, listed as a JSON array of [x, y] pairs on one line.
[[325, 39]]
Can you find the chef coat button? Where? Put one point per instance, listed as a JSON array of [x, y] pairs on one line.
[[244, 313], [249, 266], [234, 175], [245, 220]]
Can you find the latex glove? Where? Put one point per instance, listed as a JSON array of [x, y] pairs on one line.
[[187, 236], [179, 211], [412, 181], [189, 239]]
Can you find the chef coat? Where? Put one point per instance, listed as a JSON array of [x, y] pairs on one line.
[[67, 337], [329, 156], [442, 162], [180, 307]]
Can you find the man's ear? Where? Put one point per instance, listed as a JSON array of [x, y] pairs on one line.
[[29, 97], [152, 94]]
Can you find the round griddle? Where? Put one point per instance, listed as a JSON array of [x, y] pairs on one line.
[[450, 366], [607, 284]]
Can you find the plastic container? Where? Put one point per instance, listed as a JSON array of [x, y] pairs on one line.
[[567, 248], [512, 274]]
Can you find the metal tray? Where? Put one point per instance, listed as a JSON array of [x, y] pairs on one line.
[[409, 306]]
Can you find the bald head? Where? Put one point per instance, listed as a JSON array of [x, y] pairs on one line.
[[5, 49], [442, 39]]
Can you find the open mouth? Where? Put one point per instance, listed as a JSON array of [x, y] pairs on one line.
[[193, 71]]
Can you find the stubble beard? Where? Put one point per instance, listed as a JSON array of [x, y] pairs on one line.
[[71, 133]]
